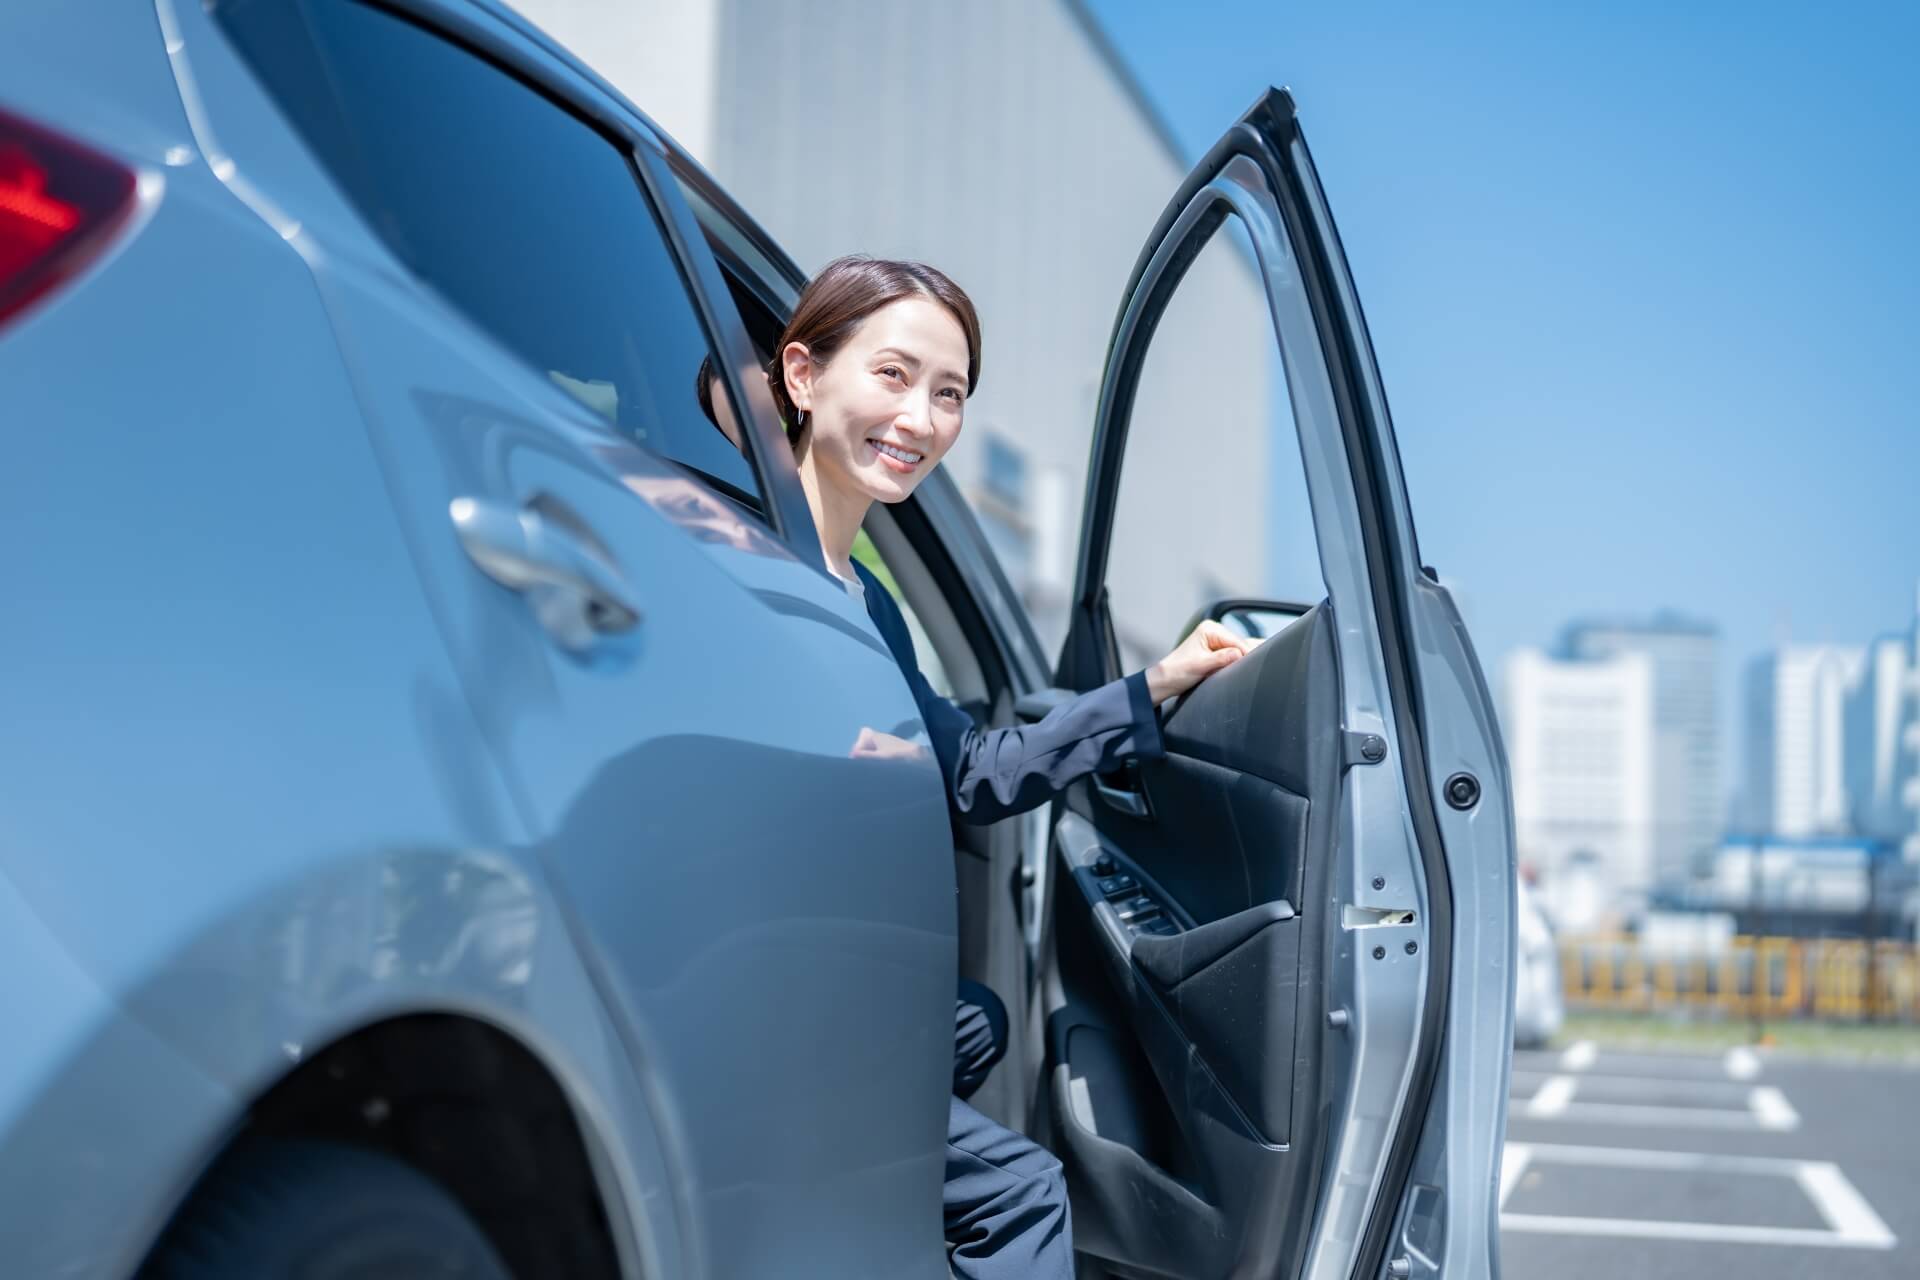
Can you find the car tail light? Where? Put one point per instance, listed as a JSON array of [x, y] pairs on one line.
[[59, 204]]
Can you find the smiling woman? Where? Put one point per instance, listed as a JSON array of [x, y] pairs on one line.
[[872, 375]]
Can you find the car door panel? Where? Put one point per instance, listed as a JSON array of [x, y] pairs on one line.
[[1239, 809], [1241, 1039]]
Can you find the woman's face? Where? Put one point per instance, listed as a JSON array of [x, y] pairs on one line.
[[888, 406]]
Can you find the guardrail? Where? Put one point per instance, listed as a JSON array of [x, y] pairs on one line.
[[1839, 978]]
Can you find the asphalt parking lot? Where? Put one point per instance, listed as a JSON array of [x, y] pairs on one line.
[[1658, 1165]]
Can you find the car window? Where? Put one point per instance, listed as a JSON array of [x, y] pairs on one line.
[[1212, 502], [930, 665], [515, 211]]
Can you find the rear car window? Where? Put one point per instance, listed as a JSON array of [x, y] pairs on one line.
[[517, 212]]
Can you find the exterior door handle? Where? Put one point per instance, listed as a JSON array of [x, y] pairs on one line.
[[578, 594]]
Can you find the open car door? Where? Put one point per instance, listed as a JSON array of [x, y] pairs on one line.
[[1277, 986]]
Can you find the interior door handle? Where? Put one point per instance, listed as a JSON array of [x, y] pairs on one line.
[[576, 592], [1133, 803]]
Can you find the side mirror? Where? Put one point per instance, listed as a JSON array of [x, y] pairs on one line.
[[1253, 619]]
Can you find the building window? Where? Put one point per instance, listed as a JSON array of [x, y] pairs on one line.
[[1006, 474]]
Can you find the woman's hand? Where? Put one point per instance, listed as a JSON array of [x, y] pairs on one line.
[[871, 744], [1207, 650]]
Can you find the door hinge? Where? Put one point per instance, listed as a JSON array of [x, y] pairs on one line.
[[1361, 748]]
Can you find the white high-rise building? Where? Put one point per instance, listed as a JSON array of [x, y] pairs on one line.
[[1688, 807], [1797, 699], [1581, 745], [1006, 143], [1883, 741], [1879, 710]]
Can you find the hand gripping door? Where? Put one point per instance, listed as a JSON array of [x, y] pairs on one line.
[[1250, 961]]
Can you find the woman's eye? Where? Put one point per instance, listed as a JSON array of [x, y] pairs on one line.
[[890, 370], [952, 393]]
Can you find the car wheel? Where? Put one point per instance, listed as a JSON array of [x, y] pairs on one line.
[[320, 1211]]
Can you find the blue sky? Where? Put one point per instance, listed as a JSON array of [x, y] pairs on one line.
[[1644, 281]]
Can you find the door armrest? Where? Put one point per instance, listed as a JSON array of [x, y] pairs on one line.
[[1171, 960]]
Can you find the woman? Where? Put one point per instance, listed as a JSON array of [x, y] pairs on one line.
[[872, 376]]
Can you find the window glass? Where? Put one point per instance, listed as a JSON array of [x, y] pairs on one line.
[[930, 665], [514, 210], [1213, 499]]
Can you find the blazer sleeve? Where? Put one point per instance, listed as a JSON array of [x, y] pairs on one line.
[[994, 773]]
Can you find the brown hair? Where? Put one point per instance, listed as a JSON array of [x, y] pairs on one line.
[[838, 301]]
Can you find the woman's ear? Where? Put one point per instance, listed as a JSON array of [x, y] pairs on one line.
[[796, 366]]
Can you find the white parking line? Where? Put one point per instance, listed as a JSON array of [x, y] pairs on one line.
[[1513, 1163], [1742, 1063], [1653, 1117], [1674, 1161], [1767, 1108], [1678, 1065], [1596, 1083], [1853, 1223], [1772, 1110], [1579, 1055], [1549, 1224], [1552, 1098], [1844, 1208]]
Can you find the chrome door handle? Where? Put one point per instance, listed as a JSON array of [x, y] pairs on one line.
[[577, 593]]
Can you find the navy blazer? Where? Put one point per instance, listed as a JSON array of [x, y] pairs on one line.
[[993, 773]]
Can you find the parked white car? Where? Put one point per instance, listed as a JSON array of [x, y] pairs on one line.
[[1538, 1007]]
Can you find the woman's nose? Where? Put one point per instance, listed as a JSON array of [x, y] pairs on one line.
[[916, 415]]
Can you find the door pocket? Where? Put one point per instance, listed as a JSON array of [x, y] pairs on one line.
[[1236, 1011]]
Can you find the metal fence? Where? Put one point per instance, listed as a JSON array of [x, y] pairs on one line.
[[1839, 978]]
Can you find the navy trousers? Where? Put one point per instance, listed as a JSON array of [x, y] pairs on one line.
[[1005, 1196]]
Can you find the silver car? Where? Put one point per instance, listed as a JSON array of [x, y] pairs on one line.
[[429, 836]]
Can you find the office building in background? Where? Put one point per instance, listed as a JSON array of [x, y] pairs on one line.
[[1688, 802], [1005, 143], [1796, 705], [1882, 742], [1582, 749], [1833, 741]]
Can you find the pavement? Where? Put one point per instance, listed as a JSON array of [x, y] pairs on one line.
[[1654, 1166]]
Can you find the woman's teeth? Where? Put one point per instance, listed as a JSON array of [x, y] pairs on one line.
[[906, 456]]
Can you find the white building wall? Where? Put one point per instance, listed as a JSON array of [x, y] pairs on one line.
[[1883, 741], [1876, 760], [1580, 743], [998, 141], [1798, 697], [1688, 802]]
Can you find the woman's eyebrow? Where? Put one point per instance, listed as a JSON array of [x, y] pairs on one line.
[[908, 358]]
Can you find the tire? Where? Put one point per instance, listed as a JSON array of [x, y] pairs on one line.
[[310, 1210]]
